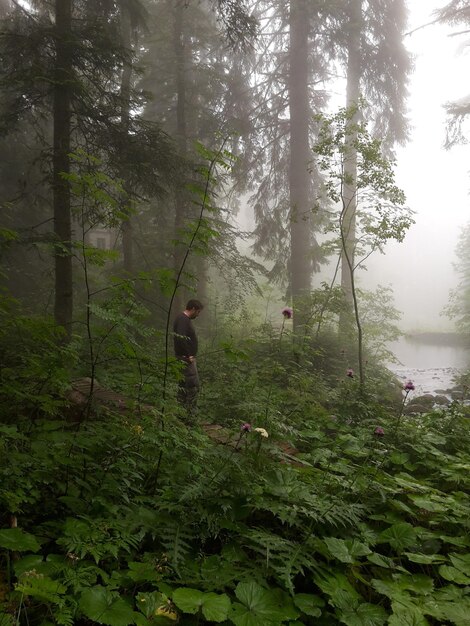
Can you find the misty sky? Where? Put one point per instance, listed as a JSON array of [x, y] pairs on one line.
[[436, 181]]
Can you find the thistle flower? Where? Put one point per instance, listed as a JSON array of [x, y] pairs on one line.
[[287, 312], [379, 431], [350, 372], [262, 431], [409, 386], [246, 428]]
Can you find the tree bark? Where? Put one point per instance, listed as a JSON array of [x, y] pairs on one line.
[[5, 8], [63, 305], [125, 88], [299, 176], [348, 215], [348, 221], [181, 137]]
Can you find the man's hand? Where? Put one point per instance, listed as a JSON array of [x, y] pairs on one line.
[[191, 359]]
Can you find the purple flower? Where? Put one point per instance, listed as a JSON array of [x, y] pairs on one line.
[[379, 431], [246, 428], [287, 312], [409, 386], [350, 372]]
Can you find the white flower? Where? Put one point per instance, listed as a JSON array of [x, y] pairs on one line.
[[262, 432]]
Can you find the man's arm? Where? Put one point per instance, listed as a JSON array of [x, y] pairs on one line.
[[181, 338]]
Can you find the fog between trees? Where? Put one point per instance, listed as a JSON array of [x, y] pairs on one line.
[[306, 483], [176, 74]]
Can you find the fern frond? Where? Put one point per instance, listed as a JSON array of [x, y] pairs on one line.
[[282, 558], [177, 541]]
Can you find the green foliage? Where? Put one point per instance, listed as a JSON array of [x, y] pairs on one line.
[[369, 209], [106, 607], [258, 605], [127, 516], [214, 607], [16, 539], [380, 214], [33, 365], [339, 135]]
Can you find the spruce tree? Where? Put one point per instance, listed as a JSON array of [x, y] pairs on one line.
[[369, 45], [71, 68]]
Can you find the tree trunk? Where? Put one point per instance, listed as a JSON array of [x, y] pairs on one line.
[[181, 137], [5, 8], [348, 222], [299, 176], [348, 215], [126, 31], [63, 306]]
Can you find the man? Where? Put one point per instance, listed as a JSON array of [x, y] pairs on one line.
[[185, 343]]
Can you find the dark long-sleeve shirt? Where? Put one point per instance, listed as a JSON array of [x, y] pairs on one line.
[[184, 338]]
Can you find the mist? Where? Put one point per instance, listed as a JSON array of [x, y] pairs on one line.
[[228, 391], [435, 179]]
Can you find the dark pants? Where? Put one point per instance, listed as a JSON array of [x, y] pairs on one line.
[[189, 388]]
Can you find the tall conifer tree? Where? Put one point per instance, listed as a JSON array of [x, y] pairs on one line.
[[300, 157], [63, 81], [377, 65]]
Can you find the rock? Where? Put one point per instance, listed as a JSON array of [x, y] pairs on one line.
[[441, 400], [426, 399], [416, 408]]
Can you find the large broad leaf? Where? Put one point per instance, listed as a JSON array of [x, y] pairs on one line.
[[16, 539], [241, 616], [364, 615], [449, 610], [143, 572], [454, 575], [261, 606], [419, 583], [188, 600], [457, 614], [461, 562], [346, 551], [461, 542], [381, 560], [342, 594], [52, 564], [390, 589], [29, 563], [215, 607], [428, 504], [425, 559], [399, 536], [148, 603], [309, 604], [102, 606], [285, 606], [406, 616], [397, 588]]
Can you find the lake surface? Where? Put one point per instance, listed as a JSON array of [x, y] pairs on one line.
[[431, 367]]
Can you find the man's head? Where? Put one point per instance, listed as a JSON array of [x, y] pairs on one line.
[[193, 308]]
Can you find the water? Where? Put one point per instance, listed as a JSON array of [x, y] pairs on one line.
[[430, 366]]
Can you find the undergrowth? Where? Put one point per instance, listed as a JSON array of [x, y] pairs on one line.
[[345, 513]]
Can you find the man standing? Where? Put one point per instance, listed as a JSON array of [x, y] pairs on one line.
[[185, 343]]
